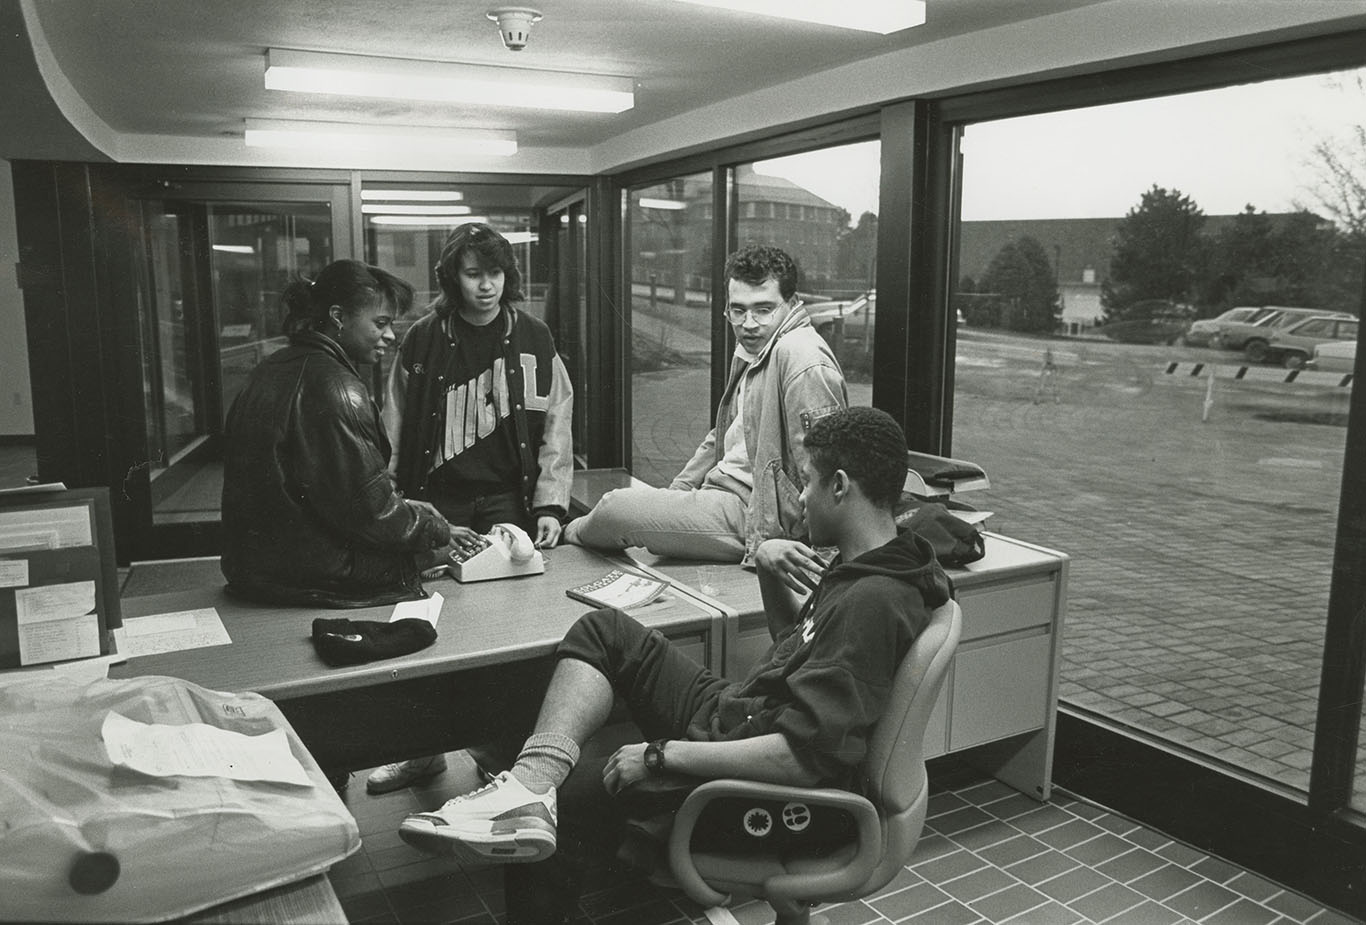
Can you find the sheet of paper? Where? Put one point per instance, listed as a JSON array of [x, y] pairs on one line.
[[200, 750], [171, 632], [57, 622], [47, 528], [429, 609], [13, 573]]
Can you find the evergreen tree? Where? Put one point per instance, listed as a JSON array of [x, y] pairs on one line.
[[1159, 253], [1025, 285]]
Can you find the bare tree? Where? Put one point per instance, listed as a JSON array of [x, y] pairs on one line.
[[1338, 165]]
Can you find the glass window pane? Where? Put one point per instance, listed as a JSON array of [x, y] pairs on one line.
[[404, 229], [1196, 489], [821, 207], [668, 259]]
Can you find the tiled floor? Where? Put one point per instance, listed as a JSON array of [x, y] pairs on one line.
[[988, 854]]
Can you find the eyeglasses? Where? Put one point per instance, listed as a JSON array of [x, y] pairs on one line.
[[760, 314]]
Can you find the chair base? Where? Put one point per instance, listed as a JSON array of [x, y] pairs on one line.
[[796, 914]]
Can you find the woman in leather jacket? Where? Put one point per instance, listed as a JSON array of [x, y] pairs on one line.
[[310, 513]]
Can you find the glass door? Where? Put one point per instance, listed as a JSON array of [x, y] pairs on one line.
[[215, 261]]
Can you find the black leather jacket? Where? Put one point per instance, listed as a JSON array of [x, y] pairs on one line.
[[310, 512]]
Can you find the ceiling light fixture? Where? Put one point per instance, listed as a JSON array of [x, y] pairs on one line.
[[667, 205], [399, 208], [880, 16], [469, 84], [411, 195], [442, 221], [277, 133]]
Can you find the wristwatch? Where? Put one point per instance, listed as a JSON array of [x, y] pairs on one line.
[[654, 756]]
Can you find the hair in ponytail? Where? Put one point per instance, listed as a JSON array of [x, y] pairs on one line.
[[348, 284]]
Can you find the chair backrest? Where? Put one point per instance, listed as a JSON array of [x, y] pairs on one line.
[[895, 765]]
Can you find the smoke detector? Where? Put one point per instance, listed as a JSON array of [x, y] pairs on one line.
[[514, 24]]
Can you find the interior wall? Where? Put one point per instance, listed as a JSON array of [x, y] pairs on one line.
[[16, 397]]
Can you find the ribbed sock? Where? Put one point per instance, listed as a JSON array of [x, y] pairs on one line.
[[546, 758]]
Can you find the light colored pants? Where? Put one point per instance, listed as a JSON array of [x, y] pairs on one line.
[[708, 523]]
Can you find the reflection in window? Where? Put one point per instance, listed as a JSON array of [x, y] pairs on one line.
[[669, 277], [1196, 490]]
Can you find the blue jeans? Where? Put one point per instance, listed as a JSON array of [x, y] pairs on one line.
[[708, 523]]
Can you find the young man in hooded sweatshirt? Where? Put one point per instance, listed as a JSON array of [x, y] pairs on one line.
[[802, 716]]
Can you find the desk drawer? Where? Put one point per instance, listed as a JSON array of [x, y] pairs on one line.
[[1000, 690], [1007, 607]]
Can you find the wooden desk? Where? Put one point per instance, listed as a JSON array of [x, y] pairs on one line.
[[998, 706], [311, 901], [485, 672]]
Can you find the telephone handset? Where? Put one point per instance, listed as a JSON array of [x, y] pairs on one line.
[[509, 553]]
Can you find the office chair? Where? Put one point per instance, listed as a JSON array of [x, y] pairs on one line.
[[888, 820]]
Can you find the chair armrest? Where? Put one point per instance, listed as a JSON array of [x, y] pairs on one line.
[[783, 886]]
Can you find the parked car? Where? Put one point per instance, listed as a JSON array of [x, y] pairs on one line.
[[1339, 356], [1291, 346], [1251, 337], [824, 314], [1201, 333]]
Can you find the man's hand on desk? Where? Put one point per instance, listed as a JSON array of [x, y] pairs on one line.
[[793, 563], [547, 531]]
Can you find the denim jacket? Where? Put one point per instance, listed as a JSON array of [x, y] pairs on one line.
[[794, 381]]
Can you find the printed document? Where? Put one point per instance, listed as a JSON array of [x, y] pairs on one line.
[[57, 622], [200, 750], [428, 609], [170, 632]]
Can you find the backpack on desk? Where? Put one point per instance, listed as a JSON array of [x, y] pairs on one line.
[[956, 542]]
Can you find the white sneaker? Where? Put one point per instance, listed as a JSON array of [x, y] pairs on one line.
[[505, 821], [402, 773]]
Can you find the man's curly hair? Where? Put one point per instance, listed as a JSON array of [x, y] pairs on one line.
[[757, 263], [868, 445]]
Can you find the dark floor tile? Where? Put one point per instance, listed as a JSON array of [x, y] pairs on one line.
[[655, 912], [1181, 854], [951, 913], [1040, 818], [911, 901], [932, 846], [902, 881], [1016, 805], [1099, 849], [1042, 867], [1009, 902], [1253, 887], [977, 884], [949, 866], [1215, 869], [941, 803], [1147, 913], [364, 905], [1050, 913], [1201, 900], [1294, 906], [1131, 865], [1242, 912], [958, 820], [355, 886], [1108, 901], [1147, 838], [1068, 834], [443, 909], [1165, 881], [849, 914], [984, 837], [1330, 917], [1067, 887], [1117, 824], [1008, 852], [987, 792]]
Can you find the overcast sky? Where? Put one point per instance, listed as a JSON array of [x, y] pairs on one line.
[[1223, 148]]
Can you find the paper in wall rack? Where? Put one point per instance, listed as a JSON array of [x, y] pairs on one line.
[[59, 593]]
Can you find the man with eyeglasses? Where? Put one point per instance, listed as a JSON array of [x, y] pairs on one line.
[[741, 486]]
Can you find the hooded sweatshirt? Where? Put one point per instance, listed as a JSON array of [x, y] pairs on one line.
[[826, 681]]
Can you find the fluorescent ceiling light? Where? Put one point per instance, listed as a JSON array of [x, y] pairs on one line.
[[234, 248], [444, 221], [412, 195], [880, 16], [469, 84], [670, 205], [391, 139], [416, 208]]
